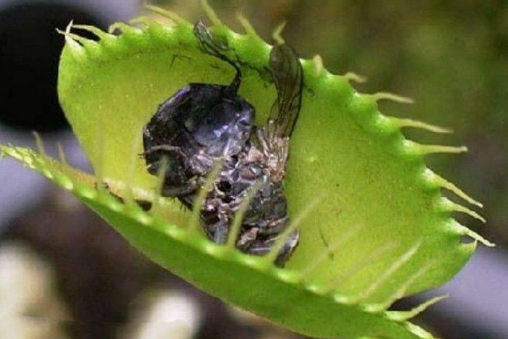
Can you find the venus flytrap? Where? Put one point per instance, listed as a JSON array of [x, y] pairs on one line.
[[371, 214]]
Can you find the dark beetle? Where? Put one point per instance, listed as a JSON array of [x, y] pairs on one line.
[[203, 124]]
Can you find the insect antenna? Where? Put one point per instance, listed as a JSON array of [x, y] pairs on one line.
[[213, 46]]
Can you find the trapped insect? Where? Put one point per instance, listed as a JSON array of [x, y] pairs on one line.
[[203, 125]]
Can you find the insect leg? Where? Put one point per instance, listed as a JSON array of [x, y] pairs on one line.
[[246, 238], [213, 46], [165, 148], [176, 182], [263, 247], [182, 191], [145, 205], [288, 248], [220, 235], [154, 163]]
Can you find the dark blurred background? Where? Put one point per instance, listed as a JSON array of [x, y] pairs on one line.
[[65, 274]]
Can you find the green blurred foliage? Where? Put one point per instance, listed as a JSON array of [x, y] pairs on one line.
[[451, 56]]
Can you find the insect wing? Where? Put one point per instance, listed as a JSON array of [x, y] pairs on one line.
[[288, 78]]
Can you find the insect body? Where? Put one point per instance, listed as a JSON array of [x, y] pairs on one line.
[[205, 124]]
